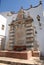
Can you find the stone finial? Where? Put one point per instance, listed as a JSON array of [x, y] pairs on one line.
[[12, 12], [40, 2], [30, 6], [21, 7], [20, 13]]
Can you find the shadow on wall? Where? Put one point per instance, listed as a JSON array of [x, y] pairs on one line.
[[41, 56], [3, 43]]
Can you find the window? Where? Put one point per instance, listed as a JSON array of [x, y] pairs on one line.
[[35, 32], [2, 27], [38, 17]]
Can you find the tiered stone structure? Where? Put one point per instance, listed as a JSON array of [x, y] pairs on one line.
[[21, 33]]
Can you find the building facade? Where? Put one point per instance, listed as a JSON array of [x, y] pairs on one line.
[[36, 14]]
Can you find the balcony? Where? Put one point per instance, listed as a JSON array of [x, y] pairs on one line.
[[29, 44], [28, 25], [12, 31], [30, 35], [31, 31], [29, 39], [11, 35]]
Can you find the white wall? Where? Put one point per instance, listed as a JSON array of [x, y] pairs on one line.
[[40, 33], [2, 22], [2, 32]]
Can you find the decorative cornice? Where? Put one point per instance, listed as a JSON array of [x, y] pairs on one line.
[[32, 6], [40, 3]]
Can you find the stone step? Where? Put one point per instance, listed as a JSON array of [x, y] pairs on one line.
[[11, 61], [4, 64]]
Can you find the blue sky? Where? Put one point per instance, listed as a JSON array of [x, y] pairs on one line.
[[14, 5]]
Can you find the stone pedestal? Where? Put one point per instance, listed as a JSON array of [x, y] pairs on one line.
[[18, 55], [36, 53], [19, 48]]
